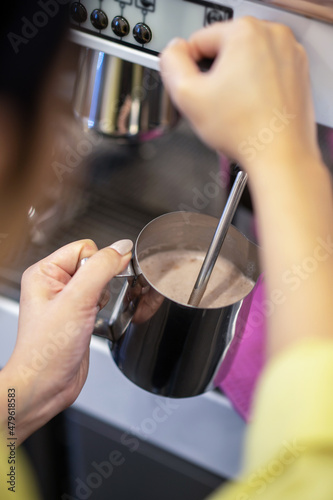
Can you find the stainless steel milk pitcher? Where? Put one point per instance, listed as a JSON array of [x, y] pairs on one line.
[[165, 347]]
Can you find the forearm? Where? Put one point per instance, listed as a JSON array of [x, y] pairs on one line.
[[22, 409], [10, 407], [295, 223]]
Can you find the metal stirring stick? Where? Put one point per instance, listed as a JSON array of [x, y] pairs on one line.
[[218, 239]]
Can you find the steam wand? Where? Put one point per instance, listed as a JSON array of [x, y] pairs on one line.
[[218, 239]]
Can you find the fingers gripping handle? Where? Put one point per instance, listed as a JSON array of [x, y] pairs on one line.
[[122, 312]]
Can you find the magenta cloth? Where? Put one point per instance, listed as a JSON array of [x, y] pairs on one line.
[[240, 383]]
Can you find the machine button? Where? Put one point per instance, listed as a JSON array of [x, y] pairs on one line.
[[78, 12], [218, 14], [146, 4], [99, 19], [120, 26], [142, 33]]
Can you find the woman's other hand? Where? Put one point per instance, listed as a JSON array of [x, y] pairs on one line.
[[255, 101]]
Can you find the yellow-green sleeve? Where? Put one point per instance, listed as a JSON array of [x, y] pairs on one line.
[[289, 448], [17, 479]]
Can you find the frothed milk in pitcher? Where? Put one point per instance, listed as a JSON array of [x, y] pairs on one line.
[[174, 273]]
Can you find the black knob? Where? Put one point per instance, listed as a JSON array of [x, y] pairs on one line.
[[142, 33], [78, 12], [120, 26], [99, 19], [148, 3], [217, 15], [214, 16]]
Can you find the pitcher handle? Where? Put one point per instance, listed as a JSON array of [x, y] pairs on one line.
[[122, 312]]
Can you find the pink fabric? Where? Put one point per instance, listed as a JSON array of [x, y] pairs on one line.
[[241, 380]]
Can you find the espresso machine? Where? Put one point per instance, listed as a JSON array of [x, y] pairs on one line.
[[119, 91], [148, 162]]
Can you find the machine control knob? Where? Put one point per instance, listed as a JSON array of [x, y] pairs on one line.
[[216, 15], [142, 33], [148, 3], [99, 19], [120, 26], [78, 12]]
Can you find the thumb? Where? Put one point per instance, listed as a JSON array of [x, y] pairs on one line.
[[89, 281]]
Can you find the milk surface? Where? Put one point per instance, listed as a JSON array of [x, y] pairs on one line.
[[174, 273]]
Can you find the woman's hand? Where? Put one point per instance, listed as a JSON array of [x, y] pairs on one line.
[[255, 101], [255, 105], [58, 309]]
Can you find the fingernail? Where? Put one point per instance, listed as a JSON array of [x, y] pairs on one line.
[[122, 246]]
